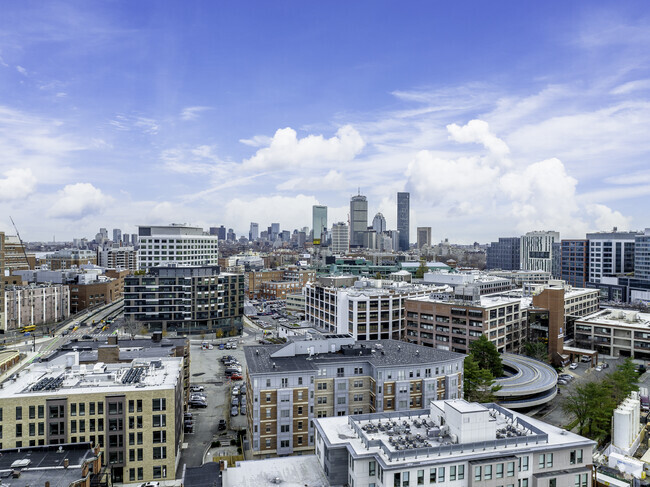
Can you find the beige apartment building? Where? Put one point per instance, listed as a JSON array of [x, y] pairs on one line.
[[133, 412], [35, 304], [289, 385]]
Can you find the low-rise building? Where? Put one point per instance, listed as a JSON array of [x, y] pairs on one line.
[[520, 278], [485, 283], [296, 302], [35, 304], [452, 443], [132, 412], [289, 385], [118, 258], [69, 258], [186, 299], [373, 309], [272, 290], [292, 274]]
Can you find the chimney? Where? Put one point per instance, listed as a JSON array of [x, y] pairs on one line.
[[112, 339], [156, 336], [66, 463]]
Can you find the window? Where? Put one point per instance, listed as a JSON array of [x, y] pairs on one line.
[[284, 413], [441, 474], [32, 412], [542, 461], [523, 461], [452, 473], [115, 408], [73, 426], [581, 480], [420, 477], [160, 436], [131, 406], [487, 472], [523, 483], [41, 412], [19, 413], [82, 409], [159, 404], [100, 408], [575, 457], [405, 479], [284, 428], [284, 443], [139, 437], [372, 466], [91, 408], [552, 482], [73, 409], [549, 460], [159, 420], [19, 430], [159, 452], [499, 474], [511, 469], [461, 472], [396, 480]]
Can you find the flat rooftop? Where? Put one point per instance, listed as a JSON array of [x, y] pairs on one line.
[[380, 353], [66, 376], [628, 318], [485, 301], [295, 471]]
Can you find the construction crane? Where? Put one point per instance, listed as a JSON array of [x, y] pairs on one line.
[[21, 243]]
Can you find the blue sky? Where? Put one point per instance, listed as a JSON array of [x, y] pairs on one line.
[[498, 117]]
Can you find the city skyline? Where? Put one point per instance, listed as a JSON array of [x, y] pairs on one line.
[[498, 120]]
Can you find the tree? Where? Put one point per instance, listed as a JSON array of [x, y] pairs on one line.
[[486, 356], [478, 384], [577, 404], [623, 381], [536, 350], [422, 270]]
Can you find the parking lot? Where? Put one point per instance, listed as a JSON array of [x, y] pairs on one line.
[[206, 369]]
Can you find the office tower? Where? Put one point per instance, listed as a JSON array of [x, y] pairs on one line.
[[254, 232], [230, 236], [125, 239], [301, 239], [379, 223], [186, 246], [221, 232], [340, 238], [403, 219], [104, 233], [214, 230], [319, 219], [537, 251], [575, 262], [117, 235], [394, 235], [424, 236], [642, 256], [504, 254], [610, 253], [134, 239], [274, 231], [358, 221], [285, 235]]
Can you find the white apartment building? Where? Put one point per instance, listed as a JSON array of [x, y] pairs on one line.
[[537, 251], [453, 444], [179, 245], [520, 278], [485, 283], [610, 253], [118, 258], [340, 238], [371, 310]]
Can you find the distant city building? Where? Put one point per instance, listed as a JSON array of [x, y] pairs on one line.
[[424, 236], [69, 258], [521, 278], [556, 266], [293, 274], [394, 235], [403, 220], [537, 251], [319, 223], [188, 300], [465, 281], [575, 262], [290, 385], [254, 232], [379, 223], [504, 254], [118, 258], [2, 282], [340, 238], [610, 254], [274, 231], [35, 304], [642, 256], [177, 245], [358, 221], [231, 236], [117, 235], [134, 239]]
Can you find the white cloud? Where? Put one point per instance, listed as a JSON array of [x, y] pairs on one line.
[[605, 218], [128, 123], [631, 86], [192, 113], [287, 151], [17, 183], [257, 141], [79, 200], [477, 131], [21, 70], [333, 180], [191, 160]]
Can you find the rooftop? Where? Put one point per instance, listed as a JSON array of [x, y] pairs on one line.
[[65, 375], [296, 471], [619, 317], [452, 428], [485, 301], [263, 359]]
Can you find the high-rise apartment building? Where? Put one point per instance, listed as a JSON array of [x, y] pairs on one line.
[[424, 236], [117, 235], [340, 238], [403, 219], [254, 232], [537, 251], [575, 262], [642, 256], [379, 223], [177, 245], [292, 384], [610, 254], [358, 221], [504, 254], [118, 258], [134, 239], [319, 223]]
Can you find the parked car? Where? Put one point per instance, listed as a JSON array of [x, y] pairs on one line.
[[236, 377], [197, 388], [187, 416], [234, 401], [599, 367], [222, 424], [221, 346], [562, 382], [235, 390], [234, 411], [87, 337], [198, 404], [150, 484], [604, 365]]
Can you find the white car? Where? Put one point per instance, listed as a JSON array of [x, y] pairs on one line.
[[599, 368], [196, 388], [573, 366]]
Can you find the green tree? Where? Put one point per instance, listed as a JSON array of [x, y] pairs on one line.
[[478, 384], [422, 270], [536, 350], [577, 404], [623, 381], [486, 356]]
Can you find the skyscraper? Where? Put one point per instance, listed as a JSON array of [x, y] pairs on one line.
[[275, 231], [575, 262], [340, 238], [379, 223], [610, 253], [537, 251], [504, 254], [424, 236], [254, 232], [117, 235], [319, 222], [642, 256], [358, 221], [403, 219]]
